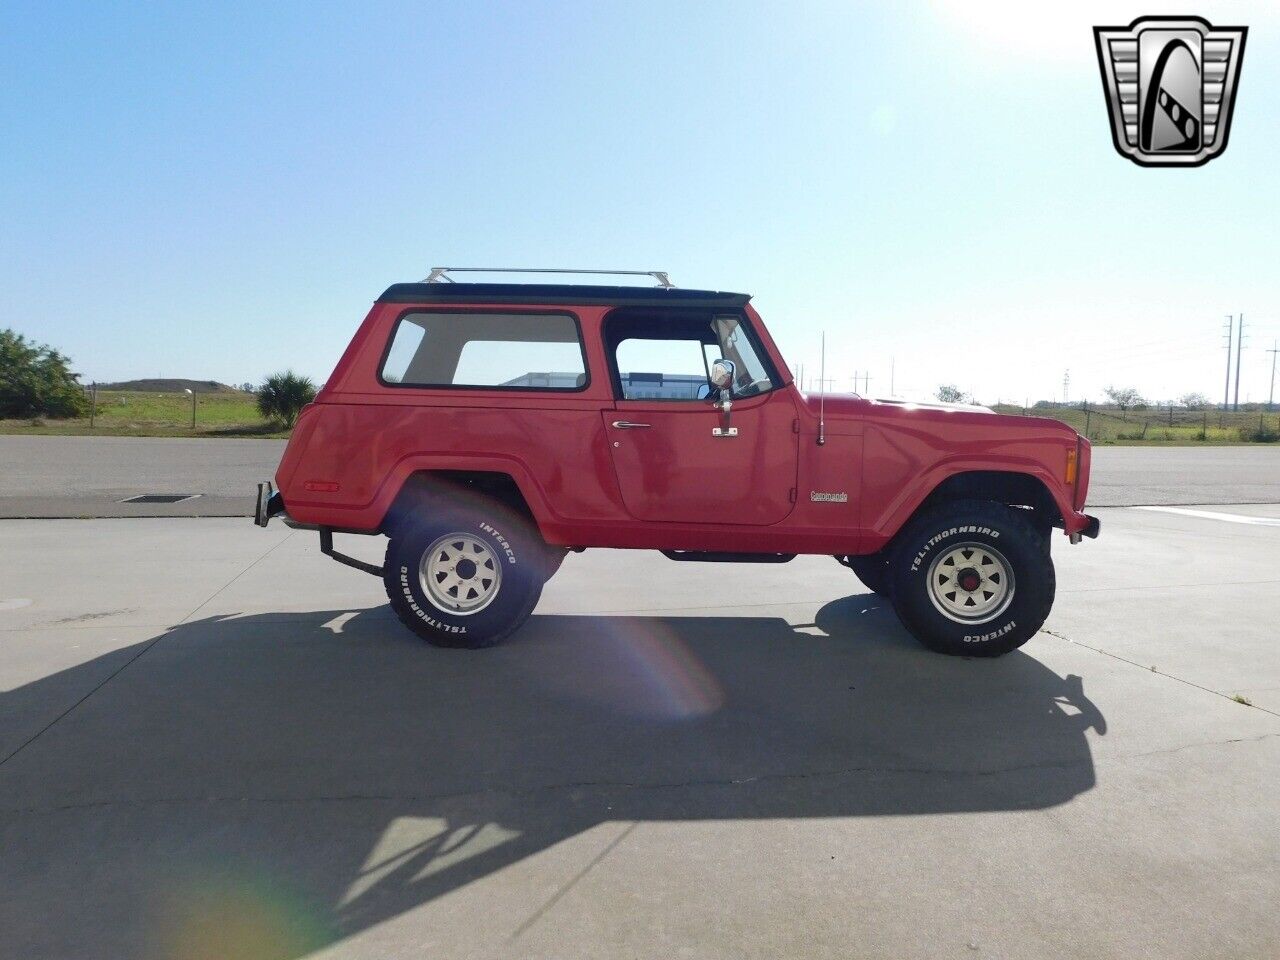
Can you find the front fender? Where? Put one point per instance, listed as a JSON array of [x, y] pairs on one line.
[[884, 524]]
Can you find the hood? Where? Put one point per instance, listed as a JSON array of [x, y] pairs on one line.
[[841, 405], [936, 405], [851, 402]]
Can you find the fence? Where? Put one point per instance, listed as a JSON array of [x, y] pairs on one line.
[[1110, 424]]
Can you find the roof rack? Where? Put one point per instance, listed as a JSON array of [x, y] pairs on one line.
[[441, 274]]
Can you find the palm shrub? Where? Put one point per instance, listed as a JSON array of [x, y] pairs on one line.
[[283, 395], [35, 380]]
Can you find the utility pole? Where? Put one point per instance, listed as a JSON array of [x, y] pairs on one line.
[[1066, 387], [1275, 348], [891, 366], [1235, 403], [1226, 391]]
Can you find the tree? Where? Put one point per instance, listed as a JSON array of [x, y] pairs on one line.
[[1194, 401], [950, 393], [283, 395], [35, 380], [1126, 398]]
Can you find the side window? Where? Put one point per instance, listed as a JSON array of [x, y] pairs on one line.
[[667, 354], [494, 350], [660, 369], [736, 345]]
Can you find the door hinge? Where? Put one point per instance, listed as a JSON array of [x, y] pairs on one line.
[[795, 426], [792, 495]]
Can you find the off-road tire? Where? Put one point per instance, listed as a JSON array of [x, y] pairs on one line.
[[872, 569], [1001, 538], [506, 540]]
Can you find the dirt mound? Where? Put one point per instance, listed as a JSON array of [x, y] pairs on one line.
[[159, 385]]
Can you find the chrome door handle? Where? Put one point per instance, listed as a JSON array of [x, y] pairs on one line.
[[628, 425]]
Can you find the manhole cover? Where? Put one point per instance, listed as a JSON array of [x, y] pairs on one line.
[[159, 498]]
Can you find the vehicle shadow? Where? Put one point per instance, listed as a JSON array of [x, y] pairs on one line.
[[265, 785]]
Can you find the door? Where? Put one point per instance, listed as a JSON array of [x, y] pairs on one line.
[[669, 465]]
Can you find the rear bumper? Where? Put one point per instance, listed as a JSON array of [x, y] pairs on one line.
[[269, 504]]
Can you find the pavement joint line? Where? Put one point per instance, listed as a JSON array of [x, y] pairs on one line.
[[573, 882], [1178, 511], [1188, 503], [1160, 673], [272, 549], [551, 789], [1169, 586], [96, 625], [45, 729], [137, 656]]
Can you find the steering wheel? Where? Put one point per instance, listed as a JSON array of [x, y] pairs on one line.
[[754, 387]]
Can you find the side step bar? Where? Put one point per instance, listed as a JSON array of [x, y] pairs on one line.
[[326, 547], [715, 556], [271, 504]]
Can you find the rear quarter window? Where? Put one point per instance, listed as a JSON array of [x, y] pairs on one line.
[[495, 351]]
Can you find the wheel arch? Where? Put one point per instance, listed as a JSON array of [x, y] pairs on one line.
[[438, 487], [1020, 488]]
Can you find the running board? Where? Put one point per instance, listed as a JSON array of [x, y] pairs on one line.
[[714, 556], [326, 547]]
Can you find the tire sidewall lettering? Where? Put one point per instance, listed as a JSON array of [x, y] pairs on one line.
[[993, 635], [923, 553], [417, 609], [503, 543]]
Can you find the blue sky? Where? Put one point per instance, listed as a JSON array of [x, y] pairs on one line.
[[220, 191]]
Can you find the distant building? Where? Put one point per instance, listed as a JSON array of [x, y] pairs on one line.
[[635, 385]]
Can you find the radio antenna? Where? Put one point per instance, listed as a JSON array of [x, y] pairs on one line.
[[822, 392]]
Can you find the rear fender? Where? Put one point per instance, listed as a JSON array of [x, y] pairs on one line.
[[372, 516]]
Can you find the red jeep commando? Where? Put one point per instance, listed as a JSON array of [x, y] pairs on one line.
[[488, 428]]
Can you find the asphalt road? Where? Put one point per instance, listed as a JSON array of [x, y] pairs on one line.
[[216, 742], [44, 476], [88, 476]]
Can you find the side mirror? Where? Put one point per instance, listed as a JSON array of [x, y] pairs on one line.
[[722, 372], [704, 391]]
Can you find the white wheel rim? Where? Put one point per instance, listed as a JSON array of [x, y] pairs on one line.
[[460, 574], [971, 583]]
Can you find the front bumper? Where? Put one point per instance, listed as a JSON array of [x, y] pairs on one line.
[[1090, 529]]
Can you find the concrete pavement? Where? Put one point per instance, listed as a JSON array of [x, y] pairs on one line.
[[214, 741]]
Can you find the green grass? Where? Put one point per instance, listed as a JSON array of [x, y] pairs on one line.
[[138, 413], [1150, 427]]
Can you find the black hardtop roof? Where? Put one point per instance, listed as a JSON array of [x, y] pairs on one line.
[[560, 293]]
